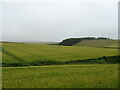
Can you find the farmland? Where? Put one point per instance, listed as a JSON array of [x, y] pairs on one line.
[[62, 76], [24, 52], [98, 43], [41, 73]]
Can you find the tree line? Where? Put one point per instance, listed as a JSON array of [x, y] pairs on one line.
[[72, 41]]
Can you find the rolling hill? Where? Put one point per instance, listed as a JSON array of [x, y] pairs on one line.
[[41, 53], [98, 43]]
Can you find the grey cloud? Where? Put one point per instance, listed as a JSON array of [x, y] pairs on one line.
[[55, 21]]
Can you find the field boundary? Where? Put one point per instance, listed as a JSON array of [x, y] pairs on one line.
[[111, 47], [101, 60]]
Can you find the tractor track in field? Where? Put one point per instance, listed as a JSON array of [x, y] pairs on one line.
[[12, 55]]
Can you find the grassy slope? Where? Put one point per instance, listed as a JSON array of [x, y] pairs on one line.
[[98, 43], [62, 76], [113, 45], [58, 76], [38, 52]]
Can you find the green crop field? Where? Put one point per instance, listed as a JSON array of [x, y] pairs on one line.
[[113, 45], [73, 75], [62, 76], [21, 52], [97, 43]]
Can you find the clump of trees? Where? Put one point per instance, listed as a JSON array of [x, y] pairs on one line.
[[104, 38], [72, 41], [88, 38]]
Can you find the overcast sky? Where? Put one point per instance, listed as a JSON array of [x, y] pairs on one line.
[[55, 20]]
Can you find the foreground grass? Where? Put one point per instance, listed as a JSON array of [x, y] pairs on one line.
[[62, 76]]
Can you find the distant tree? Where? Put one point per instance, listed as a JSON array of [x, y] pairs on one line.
[[88, 38], [103, 38], [70, 41], [109, 38]]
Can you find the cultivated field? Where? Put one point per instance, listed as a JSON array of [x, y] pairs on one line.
[[75, 75], [98, 43], [21, 52], [62, 76]]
